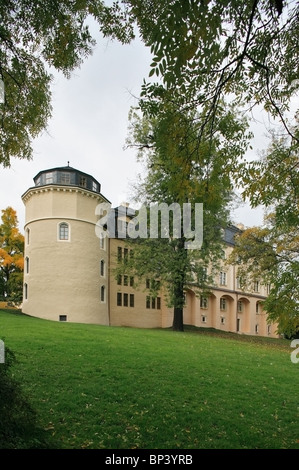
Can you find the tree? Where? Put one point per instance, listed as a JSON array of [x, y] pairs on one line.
[[206, 50], [11, 256], [36, 37], [271, 252], [180, 171]]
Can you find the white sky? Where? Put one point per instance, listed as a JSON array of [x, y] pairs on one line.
[[89, 128]]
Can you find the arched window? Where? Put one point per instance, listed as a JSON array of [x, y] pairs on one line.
[[27, 264], [63, 231], [102, 267], [25, 291], [102, 293]]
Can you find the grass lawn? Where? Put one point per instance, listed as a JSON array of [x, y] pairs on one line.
[[122, 388]]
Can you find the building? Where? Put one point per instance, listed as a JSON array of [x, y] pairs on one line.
[[68, 273]]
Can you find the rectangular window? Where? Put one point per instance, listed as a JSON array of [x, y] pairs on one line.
[[148, 301], [125, 280], [131, 300], [119, 279], [222, 278], [94, 186], [159, 303], [222, 320], [147, 283], [83, 181], [132, 281], [119, 253], [125, 300], [203, 302], [222, 304], [204, 319], [65, 178], [153, 302], [126, 254], [257, 307], [268, 288], [119, 299], [240, 306], [49, 178], [63, 231], [62, 317], [256, 286]]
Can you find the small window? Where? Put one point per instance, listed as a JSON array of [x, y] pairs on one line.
[[125, 300], [222, 278], [222, 304], [257, 307], [148, 301], [119, 253], [148, 283], [268, 289], [102, 267], [203, 302], [153, 302], [126, 254], [94, 186], [119, 299], [125, 280], [63, 231], [119, 279], [256, 329], [222, 320], [27, 264], [62, 317], [103, 293], [102, 243], [49, 178], [256, 286], [240, 306], [131, 300], [132, 281], [28, 236], [65, 178], [83, 181], [159, 303], [25, 291], [204, 319]]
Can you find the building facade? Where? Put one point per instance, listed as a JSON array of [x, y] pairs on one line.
[[69, 270]]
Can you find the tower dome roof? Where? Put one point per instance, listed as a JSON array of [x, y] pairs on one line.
[[67, 176]]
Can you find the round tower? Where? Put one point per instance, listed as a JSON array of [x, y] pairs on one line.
[[66, 265]]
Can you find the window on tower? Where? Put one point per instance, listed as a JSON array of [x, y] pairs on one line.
[[64, 231]]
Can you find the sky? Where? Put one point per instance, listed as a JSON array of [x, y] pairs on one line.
[[89, 126]]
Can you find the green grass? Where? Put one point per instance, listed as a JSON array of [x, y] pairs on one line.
[[123, 388]]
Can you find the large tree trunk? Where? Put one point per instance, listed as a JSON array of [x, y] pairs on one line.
[[178, 322], [178, 287]]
